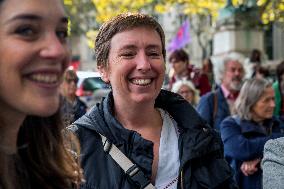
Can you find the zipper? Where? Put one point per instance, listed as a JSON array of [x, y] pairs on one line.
[[180, 146], [130, 144]]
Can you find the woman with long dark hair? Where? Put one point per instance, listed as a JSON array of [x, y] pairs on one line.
[[33, 57]]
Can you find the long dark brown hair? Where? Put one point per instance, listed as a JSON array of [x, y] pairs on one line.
[[49, 159], [48, 155]]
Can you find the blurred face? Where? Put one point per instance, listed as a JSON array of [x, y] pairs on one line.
[[263, 109], [33, 56], [186, 93], [206, 66], [136, 66], [69, 86], [233, 76], [179, 67]]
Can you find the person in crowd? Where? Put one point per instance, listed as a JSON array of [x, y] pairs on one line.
[[34, 153], [215, 106], [72, 108], [187, 90], [141, 136], [278, 87], [261, 72], [253, 63], [207, 68], [179, 60], [245, 133], [272, 164]]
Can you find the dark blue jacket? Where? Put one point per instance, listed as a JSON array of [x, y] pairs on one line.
[[71, 112], [206, 108], [202, 164], [80, 108], [244, 140]]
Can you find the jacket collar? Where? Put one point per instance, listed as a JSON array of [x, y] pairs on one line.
[[253, 127], [196, 138]]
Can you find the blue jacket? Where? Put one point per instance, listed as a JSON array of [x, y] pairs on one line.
[[80, 108], [244, 140], [202, 164], [206, 108], [71, 112]]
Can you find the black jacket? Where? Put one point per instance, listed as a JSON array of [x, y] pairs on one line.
[[70, 112], [202, 164]]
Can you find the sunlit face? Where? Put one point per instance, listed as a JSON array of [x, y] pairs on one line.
[[187, 93], [136, 66], [33, 56], [264, 107], [233, 76]]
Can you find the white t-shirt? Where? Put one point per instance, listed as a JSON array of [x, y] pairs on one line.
[[169, 163]]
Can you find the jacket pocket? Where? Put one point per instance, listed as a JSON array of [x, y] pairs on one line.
[[213, 173]]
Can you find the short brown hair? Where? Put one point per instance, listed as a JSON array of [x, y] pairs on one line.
[[121, 23], [179, 55]]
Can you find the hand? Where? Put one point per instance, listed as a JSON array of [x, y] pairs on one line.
[[250, 167]]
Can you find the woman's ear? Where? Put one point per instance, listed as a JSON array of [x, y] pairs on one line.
[[104, 74]]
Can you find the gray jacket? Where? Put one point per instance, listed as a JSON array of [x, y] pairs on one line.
[[273, 164]]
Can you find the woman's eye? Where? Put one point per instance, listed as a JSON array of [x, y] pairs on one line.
[[62, 34], [26, 31], [154, 54], [128, 54]]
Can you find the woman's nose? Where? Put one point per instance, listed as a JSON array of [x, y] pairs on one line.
[[54, 48], [143, 62]]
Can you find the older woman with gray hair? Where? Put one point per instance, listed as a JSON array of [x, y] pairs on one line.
[[187, 90], [245, 133]]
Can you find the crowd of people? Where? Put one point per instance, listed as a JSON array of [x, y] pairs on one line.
[[213, 128]]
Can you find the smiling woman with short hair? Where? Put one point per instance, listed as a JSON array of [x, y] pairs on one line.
[[154, 137]]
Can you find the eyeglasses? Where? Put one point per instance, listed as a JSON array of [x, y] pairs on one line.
[[186, 92], [75, 80]]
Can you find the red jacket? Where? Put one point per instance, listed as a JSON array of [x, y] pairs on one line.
[[199, 79]]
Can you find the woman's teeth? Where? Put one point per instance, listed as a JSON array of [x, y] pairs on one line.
[[45, 78], [141, 81]]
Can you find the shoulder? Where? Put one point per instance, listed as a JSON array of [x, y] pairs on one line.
[[275, 145], [206, 98], [209, 95], [272, 164], [205, 105], [231, 120], [85, 126], [275, 85], [80, 102], [181, 111]]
